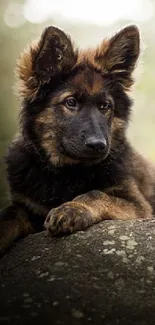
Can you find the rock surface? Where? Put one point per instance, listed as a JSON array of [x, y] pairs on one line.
[[104, 275]]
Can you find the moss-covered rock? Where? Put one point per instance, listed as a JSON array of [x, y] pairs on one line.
[[104, 275]]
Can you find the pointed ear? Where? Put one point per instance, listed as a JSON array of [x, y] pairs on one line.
[[51, 56], [55, 55], [118, 55]]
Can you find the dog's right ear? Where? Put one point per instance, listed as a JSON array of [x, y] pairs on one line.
[[56, 54], [52, 55]]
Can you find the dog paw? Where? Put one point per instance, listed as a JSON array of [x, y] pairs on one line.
[[68, 218]]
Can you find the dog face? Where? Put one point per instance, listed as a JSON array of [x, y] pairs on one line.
[[75, 103], [78, 118]]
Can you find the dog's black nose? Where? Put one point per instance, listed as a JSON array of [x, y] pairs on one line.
[[96, 144]]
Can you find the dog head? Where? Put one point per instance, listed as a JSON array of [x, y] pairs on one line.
[[75, 103]]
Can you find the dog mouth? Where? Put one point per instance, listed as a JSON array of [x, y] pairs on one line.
[[88, 156]]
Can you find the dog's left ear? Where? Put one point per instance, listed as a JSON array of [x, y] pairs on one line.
[[118, 55]]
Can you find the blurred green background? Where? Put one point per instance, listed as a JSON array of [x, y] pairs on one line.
[[88, 23]]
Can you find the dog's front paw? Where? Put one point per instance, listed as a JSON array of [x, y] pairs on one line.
[[68, 218]]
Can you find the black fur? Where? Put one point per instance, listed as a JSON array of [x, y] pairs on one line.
[[51, 170]]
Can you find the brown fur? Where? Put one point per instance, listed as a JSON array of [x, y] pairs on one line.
[[56, 175], [29, 81], [29, 78], [14, 224], [49, 138], [89, 84], [96, 206]]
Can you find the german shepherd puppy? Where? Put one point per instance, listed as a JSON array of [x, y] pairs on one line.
[[71, 165]]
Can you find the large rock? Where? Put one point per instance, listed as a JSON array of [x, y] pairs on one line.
[[104, 275]]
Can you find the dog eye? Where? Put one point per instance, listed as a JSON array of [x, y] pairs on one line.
[[105, 106], [71, 102]]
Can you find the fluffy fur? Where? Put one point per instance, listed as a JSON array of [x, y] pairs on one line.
[[71, 165]]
